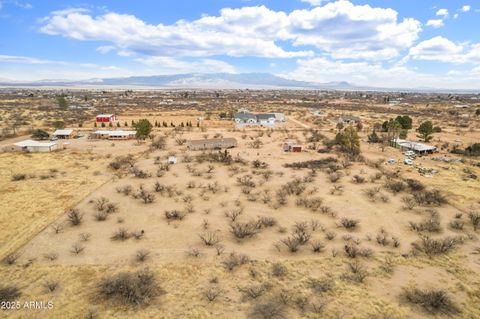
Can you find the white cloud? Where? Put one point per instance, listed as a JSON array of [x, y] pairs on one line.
[[323, 70], [436, 23], [442, 13], [442, 49], [169, 65], [26, 60], [104, 49], [466, 8], [314, 2], [341, 29], [455, 16]]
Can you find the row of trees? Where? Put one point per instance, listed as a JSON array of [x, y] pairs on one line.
[[398, 128]]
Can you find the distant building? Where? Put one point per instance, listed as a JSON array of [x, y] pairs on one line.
[[418, 148], [172, 159], [35, 146], [264, 119], [291, 147], [114, 135], [64, 134], [211, 144], [105, 118]]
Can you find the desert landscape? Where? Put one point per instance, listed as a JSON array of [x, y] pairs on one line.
[[351, 205]]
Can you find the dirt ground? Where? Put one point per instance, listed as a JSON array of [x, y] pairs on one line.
[[207, 192]]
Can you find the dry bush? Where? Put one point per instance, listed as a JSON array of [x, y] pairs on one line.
[[212, 293], [329, 235], [125, 190], [193, 252], [431, 246], [145, 195], [317, 246], [246, 181], [57, 228], [312, 203], [358, 273], [139, 173], [358, 179], [74, 217], [321, 285], [100, 216], [456, 224], [138, 234], [51, 285], [18, 177], [279, 269], [253, 291], [434, 301], [210, 238], [372, 193], [101, 203], [77, 249], [234, 260], [382, 237], [395, 186], [429, 224], [292, 244], [11, 259], [295, 187], [50, 256], [142, 255], [334, 177], [9, 293], [433, 198], [266, 221], [245, 230], [352, 250], [409, 202], [269, 309], [85, 237], [175, 214], [234, 213], [337, 190], [130, 289], [121, 234], [474, 219], [414, 185], [349, 223]]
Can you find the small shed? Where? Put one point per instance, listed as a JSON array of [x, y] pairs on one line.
[[64, 134], [296, 148], [36, 147], [172, 159]]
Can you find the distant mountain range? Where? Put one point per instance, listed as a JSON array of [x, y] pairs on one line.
[[212, 81], [191, 80]]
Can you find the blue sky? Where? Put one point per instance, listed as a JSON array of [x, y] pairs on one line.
[[378, 43]]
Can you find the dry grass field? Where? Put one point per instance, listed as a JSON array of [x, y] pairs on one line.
[[253, 232]]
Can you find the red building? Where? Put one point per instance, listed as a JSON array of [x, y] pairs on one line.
[[106, 118]]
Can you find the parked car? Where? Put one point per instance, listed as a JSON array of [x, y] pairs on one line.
[[408, 161], [392, 161], [410, 154]]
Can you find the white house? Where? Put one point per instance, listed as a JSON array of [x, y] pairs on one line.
[[65, 133], [35, 146]]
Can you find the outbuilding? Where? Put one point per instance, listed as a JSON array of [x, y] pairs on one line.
[[106, 118], [418, 148], [36, 147], [64, 134], [113, 135]]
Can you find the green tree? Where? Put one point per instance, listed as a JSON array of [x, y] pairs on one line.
[[62, 103], [143, 127], [103, 124], [426, 131], [349, 141], [405, 121], [95, 124], [40, 135]]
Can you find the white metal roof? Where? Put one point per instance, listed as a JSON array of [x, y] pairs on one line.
[[414, 145], [104, 115], [63, 132], [32, 143]]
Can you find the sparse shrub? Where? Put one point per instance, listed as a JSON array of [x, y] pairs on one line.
[[193, 252], [329, 235], [321, 285], [357, 272], [57, 228], [101, 203], [210, 238], [137, 172], [266, 221], [142, 255], [253, 291], [433, 247], [292, 243], [101, 216], [430, 224], [317, 246], [474, 219], [130, 289], [77, 249], [408, 202], [145, 195], [11, 259], [245, 230], [18, 177], [85, 236], [121, 234], [50, 256], [138, 234], [435, 301], [9, 293], [395, 186], [358, 179], [433, 197], [212, 293], [175, 214], [270, 309], [414, 185], [279, 269], [51, 285], [349, 223], [456, 224], [74, 217], [234, 260], [353, 251]]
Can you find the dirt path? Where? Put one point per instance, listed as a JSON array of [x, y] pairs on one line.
[[300, 123]]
